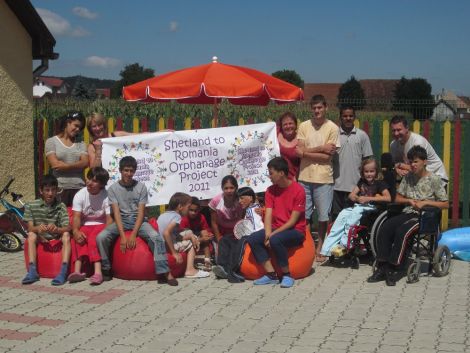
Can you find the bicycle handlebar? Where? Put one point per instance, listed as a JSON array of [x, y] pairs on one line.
[[5, 189]]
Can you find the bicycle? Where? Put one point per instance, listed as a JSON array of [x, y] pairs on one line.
[[13, 228]]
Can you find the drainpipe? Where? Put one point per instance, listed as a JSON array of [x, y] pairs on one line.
[[41, 68]]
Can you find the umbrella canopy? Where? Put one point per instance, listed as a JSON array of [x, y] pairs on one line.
[[209, 83]]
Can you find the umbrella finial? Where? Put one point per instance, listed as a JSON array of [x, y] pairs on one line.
[[215, 59]]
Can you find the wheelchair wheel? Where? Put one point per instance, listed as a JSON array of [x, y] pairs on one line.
[[9, 242], [441, 261], [413, 271], [375, 230]]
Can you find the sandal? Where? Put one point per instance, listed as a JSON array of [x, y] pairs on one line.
[[75, 277], [96, 279], [198, 274]]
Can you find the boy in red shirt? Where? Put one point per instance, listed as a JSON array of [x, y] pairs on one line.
[[196, 221], [284, 224]]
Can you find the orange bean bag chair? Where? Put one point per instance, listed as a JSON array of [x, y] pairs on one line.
[[49, 258], [138, 264], [300, 260]]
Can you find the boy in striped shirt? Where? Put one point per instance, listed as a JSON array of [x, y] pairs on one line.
[[47, 220]]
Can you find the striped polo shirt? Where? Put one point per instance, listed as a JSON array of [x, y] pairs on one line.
[[39, 212]]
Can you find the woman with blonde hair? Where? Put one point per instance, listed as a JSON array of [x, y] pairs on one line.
[[97, 127]]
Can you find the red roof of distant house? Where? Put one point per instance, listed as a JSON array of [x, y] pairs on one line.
[[51, 81], [378, 89], [105, 92], [465, 100], [374, 89], [328, 90]]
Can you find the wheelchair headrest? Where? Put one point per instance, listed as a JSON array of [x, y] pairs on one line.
[[386, 161]]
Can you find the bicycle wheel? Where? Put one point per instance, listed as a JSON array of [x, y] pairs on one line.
[[9, 242]]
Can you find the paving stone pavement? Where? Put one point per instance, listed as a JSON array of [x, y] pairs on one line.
[[333, 310]]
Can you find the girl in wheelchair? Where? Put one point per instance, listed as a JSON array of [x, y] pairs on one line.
[[370, 188], [418, 189]]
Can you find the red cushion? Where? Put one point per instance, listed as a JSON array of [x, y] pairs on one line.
[[49, 258], [138, 264], [300, 261]]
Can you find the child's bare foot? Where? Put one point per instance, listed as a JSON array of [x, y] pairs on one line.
[[320, 258], [207, 264]]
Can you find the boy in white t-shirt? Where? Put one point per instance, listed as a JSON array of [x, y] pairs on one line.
[[91, 214]]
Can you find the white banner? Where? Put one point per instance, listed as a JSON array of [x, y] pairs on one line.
[[195, 161]]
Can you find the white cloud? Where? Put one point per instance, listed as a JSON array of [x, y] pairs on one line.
[[79, 32], [174, 26], [102, 62], [85, 13], [59, 26]]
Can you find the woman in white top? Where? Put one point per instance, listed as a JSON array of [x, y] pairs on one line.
[[67, 157]]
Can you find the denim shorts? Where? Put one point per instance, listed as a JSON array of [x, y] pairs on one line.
[[320, 196]]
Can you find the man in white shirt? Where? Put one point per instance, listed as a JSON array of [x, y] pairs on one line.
[[404, 139], [355, 146]]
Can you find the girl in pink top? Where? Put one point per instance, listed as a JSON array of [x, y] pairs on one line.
[[225, 208], [226, 211]]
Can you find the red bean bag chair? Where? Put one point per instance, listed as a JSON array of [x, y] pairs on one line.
[[300, 260], [49, 255], [49, 258], [138, 264]]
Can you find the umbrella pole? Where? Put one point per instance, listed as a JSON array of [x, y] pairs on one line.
[[215, 113]]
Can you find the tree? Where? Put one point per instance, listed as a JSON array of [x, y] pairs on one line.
[[131, 74], [414, 96], [83, 91], [351, 93], [289, 76]]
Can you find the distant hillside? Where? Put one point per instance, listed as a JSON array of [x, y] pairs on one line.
[[98, 83]]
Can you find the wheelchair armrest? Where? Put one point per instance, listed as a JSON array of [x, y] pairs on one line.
[[395, 208], [429, 219], [380, 205], [431, 209]]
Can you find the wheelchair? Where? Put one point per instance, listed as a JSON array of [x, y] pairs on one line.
[[422, 246], [358, 244]]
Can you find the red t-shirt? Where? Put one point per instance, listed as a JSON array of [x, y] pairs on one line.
[[196, 225], [283, 202]]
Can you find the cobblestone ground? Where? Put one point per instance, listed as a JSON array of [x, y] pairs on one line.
[[333, 310]]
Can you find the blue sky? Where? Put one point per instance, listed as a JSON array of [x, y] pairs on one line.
[[324, 41]]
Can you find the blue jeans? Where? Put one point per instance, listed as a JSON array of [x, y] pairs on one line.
[[279, 244], [154, 240], [339, 231], [320, 196]]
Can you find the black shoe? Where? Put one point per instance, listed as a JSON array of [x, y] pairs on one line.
[[390, 279], [107, 275], [233, 277], [219, 272], [377, 276]]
